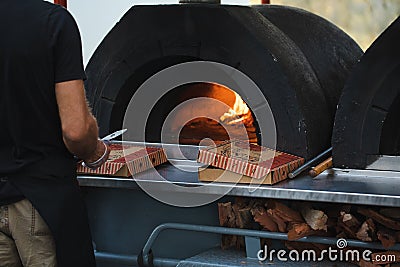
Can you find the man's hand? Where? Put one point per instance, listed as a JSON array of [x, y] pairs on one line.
[[99, 157], [79, 127]]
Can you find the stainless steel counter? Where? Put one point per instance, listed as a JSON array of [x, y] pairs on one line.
[[341, 186], [368, 187]]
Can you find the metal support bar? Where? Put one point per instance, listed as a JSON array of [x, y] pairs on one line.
[[251, 233], [253, 246], [116, 258]]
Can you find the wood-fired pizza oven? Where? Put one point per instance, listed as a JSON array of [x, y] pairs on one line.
[[298, 60]]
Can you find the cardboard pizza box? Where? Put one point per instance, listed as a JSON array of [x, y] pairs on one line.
[[137, 159], [239, 162]]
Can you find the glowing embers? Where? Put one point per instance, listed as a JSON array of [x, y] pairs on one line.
[[208, 110]]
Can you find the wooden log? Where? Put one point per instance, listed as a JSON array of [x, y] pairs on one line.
[[348, 224], [316, 219], [335, 210], [387, 237], [255, 202], [242, 202], [379, 218], [282, 215], [224, 213], [299, 230], [283, 211], [243, 217], [367, 231], [345, 232], [341, 234], [264, 219], [227, 219], [393, 213], [243, 220], [278, 220], [331, 222], [349, 220]]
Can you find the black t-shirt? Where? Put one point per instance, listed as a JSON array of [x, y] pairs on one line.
[[40, 46]]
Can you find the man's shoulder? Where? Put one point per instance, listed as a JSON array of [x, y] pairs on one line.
[[59, 19], [45, 9], [56, 11]]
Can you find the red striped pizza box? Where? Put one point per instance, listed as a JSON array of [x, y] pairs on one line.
[[127, 160], [241, 162]]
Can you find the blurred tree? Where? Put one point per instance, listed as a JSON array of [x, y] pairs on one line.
[[363, 20]]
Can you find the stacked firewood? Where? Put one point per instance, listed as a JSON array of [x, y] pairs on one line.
[[299, 219]]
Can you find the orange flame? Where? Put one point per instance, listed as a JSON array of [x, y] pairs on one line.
[[240, 112]]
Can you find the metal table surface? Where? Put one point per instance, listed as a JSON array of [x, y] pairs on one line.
[[222, 258], [369, 187]]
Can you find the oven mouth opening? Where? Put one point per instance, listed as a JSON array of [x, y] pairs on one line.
[[197, 111]]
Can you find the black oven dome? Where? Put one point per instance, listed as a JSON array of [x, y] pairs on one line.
[[299, 61], [368, 115]]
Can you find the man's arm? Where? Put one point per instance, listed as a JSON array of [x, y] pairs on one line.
[[79, 127]]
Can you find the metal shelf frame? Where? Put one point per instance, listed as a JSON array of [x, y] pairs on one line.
[[364, 187]]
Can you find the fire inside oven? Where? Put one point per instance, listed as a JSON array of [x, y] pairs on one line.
[[208, 110]]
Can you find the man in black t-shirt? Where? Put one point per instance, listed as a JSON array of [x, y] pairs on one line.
[[44, 121]]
